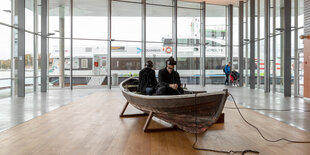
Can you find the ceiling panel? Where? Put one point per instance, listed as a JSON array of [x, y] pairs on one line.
[[98, 7], [218, 2]]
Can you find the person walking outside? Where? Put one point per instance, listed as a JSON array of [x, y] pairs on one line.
[[227, 70]]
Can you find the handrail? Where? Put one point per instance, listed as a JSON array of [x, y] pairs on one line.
[[5, 78], [16, 78]]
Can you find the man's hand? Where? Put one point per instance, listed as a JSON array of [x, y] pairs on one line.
[[174, 86]]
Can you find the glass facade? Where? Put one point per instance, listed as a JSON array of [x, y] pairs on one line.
[[5, 61], [216, 43], [59, 45], [9, 49], [126, 48], [6, 11], [89, 49], [276, 44], [159, 32], [78, 42], [188, 47]]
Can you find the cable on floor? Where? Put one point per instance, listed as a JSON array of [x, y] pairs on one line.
[[213, 150], [263, 109], [269, 140], [244, 151]]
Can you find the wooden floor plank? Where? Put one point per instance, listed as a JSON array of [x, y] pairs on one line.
[[92, 125]]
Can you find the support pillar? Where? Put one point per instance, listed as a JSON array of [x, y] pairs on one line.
[[21, 48], [203, 44], [143, 53], [71, 44], [246, 80], [13, 66], [109, 44], [35, 45], [274, 68], [267, 47], [252, 44], [258, 44], [61, 46], [226, 35], [44, 45], [241, 57], [174, 30], [296, 54], [287, 47], [282, 27], [230, 35]]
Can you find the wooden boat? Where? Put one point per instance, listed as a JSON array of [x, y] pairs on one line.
[[192, 113]]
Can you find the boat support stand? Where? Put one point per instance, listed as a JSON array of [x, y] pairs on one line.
[[149, 119], [130, 115]]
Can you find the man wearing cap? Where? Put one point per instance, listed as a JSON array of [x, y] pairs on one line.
[[169, 80]]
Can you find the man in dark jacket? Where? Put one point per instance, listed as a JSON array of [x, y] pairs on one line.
[[147, 79], [169, 80]]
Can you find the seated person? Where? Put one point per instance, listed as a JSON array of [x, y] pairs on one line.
[[169, 80], [147, 79]]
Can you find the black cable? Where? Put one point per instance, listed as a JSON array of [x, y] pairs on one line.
[[232, 151], [263, 109], [273, 141], [213, 150]]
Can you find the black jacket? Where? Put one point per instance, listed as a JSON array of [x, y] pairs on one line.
[[147, 79], [165, 78]]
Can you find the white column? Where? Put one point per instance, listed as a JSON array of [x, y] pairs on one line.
[[61, 47]]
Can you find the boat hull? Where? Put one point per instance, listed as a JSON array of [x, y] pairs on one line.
[[193, 113]]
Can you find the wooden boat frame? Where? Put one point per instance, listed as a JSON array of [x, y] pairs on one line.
[[150, 115], [149, 119]]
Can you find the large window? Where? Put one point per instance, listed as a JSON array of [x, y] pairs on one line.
[[235, 38], [126, 31], [159, 32], [54, 67], [5, 46], [29, 15], [59, 44], [90, 21], [5, 11], [9, 72], [89, 44], [126, 22], [89, 60], [5, 61], [188, 52], [29, 62], [215, 43], [277, 27], [158, 23]]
